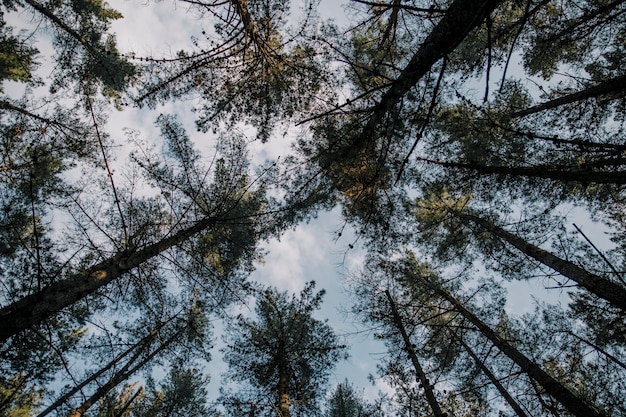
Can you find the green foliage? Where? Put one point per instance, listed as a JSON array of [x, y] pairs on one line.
[[37, 147], [182, 393], [16, 56], [449, 150], [247, 69], [345, 401], [18, 398], [225, 251], [284, 350], [561, 33], [86, 54], [607, 322]]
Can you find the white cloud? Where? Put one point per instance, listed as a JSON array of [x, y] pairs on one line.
[[290, 261]]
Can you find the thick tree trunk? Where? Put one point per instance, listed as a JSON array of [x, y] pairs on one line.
[[614, 85], [569, 400], [496, 383], [595, 284], [461, 18], [428, 389], [283, 395], [37, 307], [252, 31], [564, 173]]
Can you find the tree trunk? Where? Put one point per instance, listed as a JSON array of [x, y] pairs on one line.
[[595, 284], [461, 18], [66, 28], [39, 306], [496, 383], [252, 31], [614, 85], [283, 395], [137, 394], [573, 403], [421, 376], [5, 105], [122, 375], [557, 173], [599, 349], [137, 348]]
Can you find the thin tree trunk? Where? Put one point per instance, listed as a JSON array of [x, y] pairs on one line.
[[5, 105], [138, 347], [496, 383], [557, 173], [119, 377], [39, 306], [428, 389], [569, 400], [63, 26], [595, 284], [614, 85], [136, 395], [599, 349], [95, 53]]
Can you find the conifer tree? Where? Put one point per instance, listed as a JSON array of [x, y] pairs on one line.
[[284, 354]]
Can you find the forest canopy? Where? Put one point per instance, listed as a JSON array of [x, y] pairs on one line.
[[463, 145]]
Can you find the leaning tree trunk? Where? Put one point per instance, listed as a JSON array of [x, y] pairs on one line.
[[598, 349], [252, 30], [494, 381], [595, 284], [461, 18], [39, 306], [122, 375], [569, 400], [428, 389], [614, 85], [138, 348]]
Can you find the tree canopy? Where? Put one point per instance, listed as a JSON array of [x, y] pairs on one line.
[[469, 145], [285, 355]]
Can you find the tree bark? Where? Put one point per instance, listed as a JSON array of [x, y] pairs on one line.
[[39, 306], [569, 400], [252, 31], [421, 376], [595, 284], [614, 85], [283, 395]]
